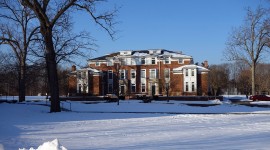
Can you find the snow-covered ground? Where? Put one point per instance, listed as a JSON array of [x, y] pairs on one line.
[[134, 125]]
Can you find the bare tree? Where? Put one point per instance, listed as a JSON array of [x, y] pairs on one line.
[[248, 43], [52, 12], [17, 31], [218, 78], [263, 78]]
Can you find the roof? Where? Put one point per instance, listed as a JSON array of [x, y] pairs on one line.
[[199, 68], [149, 52], [105, 56]]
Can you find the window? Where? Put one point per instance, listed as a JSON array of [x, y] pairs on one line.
[[142, 61], [186, 86], [122, 89], [143, 87], [153, 60], [110, 88], [97, 64], [143, 73], [167, 60], [80, 88], [123, 74], [180, 61], [152, 73], [186, 72], [193, 87], [79, 75], [110, 74], [133, 74], [123, 61], [133, 88], [192, 72], [167, 72], [83, 74]]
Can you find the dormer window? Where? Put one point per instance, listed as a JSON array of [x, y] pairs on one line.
[[153, 60], [167, 60], [180, 61], [142, 61]]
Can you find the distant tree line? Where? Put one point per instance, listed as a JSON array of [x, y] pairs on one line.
[[36, 78], [235, 78]]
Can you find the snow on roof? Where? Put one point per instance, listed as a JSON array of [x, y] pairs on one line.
[[176, 54], [90, 69], [200, 68], [140, 54]]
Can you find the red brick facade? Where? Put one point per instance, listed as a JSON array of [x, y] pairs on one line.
[[130, 73]]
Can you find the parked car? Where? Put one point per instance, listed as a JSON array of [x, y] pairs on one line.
[[259, 98]]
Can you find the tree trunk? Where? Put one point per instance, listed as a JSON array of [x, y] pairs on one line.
[[253, 66], [52, 72], [22, 70]]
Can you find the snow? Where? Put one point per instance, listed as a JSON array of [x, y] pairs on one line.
[[134, 125], [51, 145], [200, 68]]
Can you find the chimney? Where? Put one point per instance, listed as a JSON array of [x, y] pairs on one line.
[[206, 64], [73, 68]]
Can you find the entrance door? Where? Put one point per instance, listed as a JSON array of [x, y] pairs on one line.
[[122, 89], [153, 88]]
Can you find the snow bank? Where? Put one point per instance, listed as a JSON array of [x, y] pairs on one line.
[[51, 145]]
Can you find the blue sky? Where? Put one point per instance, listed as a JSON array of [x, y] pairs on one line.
[[198, 28]]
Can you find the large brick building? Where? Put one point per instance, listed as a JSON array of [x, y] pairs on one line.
[[146, 72]]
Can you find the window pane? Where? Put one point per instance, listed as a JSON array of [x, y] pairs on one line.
[[142, 61], [152, 73], [153, 60], [167, 60], [122, 74], [133, 74], [133, 88], [167, 73], [142, 73], [143, 87], [110, 74], [180, 60], [186, 86]]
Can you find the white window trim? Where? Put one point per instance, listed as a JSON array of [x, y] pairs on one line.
[[144, 73], [155, 73], [186, 88], [186, 72], [182, 61], [132, 71], [169, 60], [131, 88], [144, 61], [153, 58], [144, 87]]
